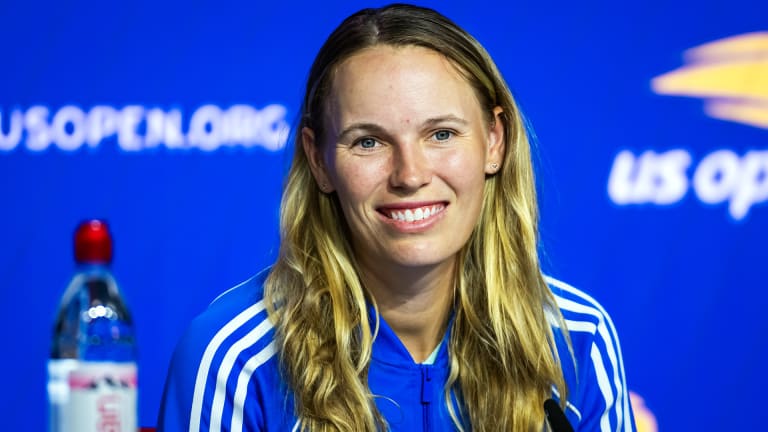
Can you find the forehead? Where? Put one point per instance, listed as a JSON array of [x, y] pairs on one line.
[[388, 82], [384, 54]]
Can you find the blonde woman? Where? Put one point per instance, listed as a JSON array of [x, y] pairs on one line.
[[408, 294]]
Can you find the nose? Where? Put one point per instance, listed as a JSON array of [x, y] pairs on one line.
[[411, 167]]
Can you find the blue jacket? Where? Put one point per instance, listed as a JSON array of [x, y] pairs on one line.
[[224, 374]]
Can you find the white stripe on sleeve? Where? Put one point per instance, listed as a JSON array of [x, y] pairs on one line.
[[225, 368], [605, 388], [242, 384], [205, 362], [609, 336]]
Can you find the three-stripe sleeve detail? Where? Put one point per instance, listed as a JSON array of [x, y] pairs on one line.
[[605, 334], [225, 368]]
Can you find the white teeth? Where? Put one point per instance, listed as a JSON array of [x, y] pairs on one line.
[[418, 214]]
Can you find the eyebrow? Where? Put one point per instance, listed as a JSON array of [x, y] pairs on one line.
[[379, 130]]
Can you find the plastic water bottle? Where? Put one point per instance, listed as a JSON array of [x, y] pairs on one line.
[[92, 374]]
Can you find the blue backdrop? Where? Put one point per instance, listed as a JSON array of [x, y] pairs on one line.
[[170, 120]]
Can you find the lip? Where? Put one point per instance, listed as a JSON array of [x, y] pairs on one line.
[[409, 205], [413, 226]]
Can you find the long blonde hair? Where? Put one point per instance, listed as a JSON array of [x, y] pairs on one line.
[[503, 358]]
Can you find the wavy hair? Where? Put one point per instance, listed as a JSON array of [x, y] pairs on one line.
[[503, 358]]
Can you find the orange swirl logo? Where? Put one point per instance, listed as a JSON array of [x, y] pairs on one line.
[[645, 421], [730, 74]]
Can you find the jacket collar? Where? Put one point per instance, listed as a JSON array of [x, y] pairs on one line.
[[388, 348]]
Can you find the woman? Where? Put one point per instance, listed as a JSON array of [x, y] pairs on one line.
[[408, 293]]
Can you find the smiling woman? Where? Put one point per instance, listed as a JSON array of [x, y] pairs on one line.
[[405, 135], [407, 294]]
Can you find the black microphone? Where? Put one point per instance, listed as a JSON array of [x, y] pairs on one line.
[[556, 417]]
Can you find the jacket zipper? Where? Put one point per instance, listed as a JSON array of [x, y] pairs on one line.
[[426, 395]]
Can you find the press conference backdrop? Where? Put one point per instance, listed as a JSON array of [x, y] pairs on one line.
[[170, 119]]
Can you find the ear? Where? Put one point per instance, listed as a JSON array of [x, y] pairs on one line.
[[315, 158], [496, 142]]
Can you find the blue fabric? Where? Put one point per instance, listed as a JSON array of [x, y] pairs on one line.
[[224, 374]]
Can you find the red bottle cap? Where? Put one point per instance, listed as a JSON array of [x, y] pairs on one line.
[[93, 243]]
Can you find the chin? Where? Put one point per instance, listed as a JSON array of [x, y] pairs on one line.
[[421, 258]]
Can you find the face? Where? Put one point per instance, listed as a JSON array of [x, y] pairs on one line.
[[407, 149]]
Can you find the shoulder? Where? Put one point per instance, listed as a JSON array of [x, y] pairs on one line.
[[582, 313], [594, 369], [238, 315], [226, 353]]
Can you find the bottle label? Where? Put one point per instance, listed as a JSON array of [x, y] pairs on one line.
[[93, 396]]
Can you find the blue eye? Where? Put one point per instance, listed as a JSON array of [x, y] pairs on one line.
[[367, 143], [443, 135]]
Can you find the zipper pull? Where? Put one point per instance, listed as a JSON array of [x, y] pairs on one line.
[[426, 384]]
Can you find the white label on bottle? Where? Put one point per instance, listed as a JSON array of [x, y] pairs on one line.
[[92, 396]]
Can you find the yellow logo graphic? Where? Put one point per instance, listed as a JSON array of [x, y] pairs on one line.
[[645, 421], [730, 74]]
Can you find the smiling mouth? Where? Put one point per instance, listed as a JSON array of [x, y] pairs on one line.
[[413, 214]]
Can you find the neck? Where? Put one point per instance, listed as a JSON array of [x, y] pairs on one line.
[[415, 303]]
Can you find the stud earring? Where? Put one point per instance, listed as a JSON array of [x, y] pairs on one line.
[[494, 166]]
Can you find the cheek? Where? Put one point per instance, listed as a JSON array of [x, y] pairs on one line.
[[355, 180], [466, 169]]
